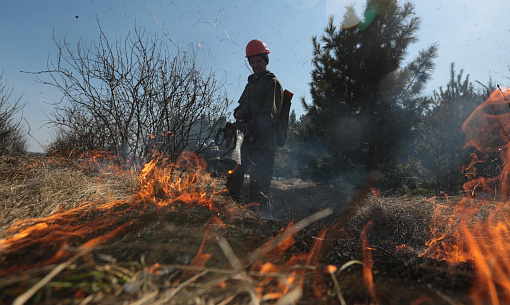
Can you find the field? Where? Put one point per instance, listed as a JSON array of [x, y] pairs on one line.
[[88, 232]]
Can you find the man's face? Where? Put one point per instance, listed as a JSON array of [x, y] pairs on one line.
[[257, 64]]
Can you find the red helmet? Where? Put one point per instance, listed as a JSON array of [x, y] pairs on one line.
[[255, 47]]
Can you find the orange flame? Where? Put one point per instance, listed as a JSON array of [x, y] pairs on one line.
[[375, 192], [278, 277], [201, 258], [331, 268], [159, 187], [476, 228], [368, 261]]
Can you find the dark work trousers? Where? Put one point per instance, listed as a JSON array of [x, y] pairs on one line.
[[259, 163]]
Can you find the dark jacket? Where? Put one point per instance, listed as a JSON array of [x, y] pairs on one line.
[[261, 103]]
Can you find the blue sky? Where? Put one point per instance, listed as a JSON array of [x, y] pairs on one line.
[[474, 34]]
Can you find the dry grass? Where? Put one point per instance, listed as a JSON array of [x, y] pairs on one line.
[[396, 220], [35, 187], [182, 255]]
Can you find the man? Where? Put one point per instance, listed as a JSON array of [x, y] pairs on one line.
[[259, 108]]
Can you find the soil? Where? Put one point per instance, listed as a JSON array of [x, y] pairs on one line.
[[294, 199]]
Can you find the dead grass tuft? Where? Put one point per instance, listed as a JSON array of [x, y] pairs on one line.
[[36, 186], [397, 221]]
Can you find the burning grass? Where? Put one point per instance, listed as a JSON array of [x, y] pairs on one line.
[[167, 238], [168, 235]]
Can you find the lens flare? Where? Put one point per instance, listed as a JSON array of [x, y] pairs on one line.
[[368, 17]]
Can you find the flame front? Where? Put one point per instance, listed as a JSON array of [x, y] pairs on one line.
[[476, 228], [91, 224]]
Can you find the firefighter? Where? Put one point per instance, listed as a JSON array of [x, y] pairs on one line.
[[259, 107]]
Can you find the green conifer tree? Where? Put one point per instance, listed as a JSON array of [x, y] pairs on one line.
[[442, 136], [364, 99]]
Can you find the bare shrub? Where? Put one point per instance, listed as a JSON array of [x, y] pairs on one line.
[[82, 137], [12, 139], [129, 95]]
